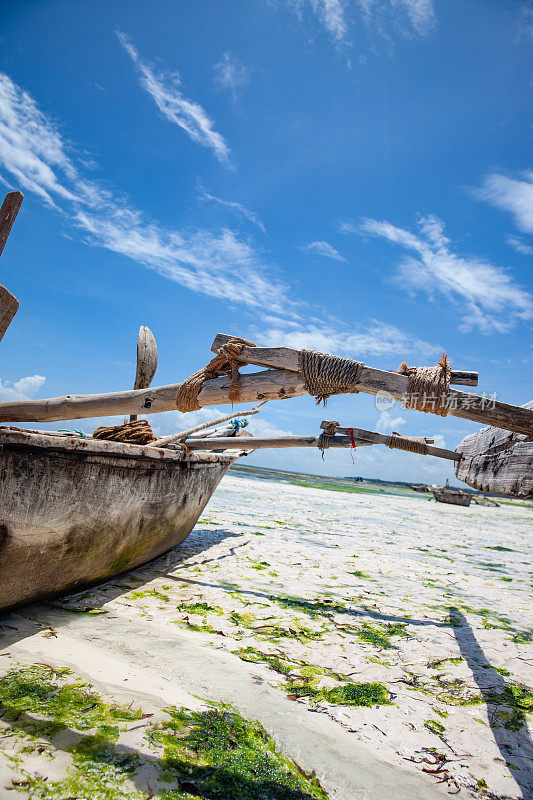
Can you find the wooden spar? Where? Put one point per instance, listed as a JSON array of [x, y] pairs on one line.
[[8, 308], [8, 303], [266, 385], [8, 212], [273, 384], [372, 437], [259, 443], [146, 361], [391, 384], [179, 437], [276, 384], [287, 358]]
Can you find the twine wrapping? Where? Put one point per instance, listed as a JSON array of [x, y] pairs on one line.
[[429, 387], [327, 433], [325, 375], [137, 432], [224, 363], [412, 444]]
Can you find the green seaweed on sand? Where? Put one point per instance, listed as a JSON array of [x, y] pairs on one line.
[[378, 635], [312, 608], [359, 573], [346, 694], [148, 593], [199, 608], [501, 549], [213, 754], [219, 754], [434, 726], [35, 689]]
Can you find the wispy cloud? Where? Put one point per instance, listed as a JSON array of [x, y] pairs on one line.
[[491, 299], [216, 262], [332, 14], [231, 74], [23, 389], [238, 208], [325, 249], [409, 17], [347, 227], [373, 339], [514, 195], [519, 245], [165, 90]]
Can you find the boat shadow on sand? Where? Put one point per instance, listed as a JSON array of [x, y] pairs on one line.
[[511, 739]]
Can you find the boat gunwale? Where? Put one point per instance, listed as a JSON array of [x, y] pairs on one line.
[[18, 437]]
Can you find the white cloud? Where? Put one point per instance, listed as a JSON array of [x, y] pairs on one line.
[[387, 423], [213, 262], [217, 263], [519, 245], [233, 205], [231, 74], [410, 16], [511, 194], [332, 15], [323, 249], [164, 88], [23, 389], [491, 299], [374, 339], [347, 227]]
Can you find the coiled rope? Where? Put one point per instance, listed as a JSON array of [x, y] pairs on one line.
[[136, 432], [429, 387]]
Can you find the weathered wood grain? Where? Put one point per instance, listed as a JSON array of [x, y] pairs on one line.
[[72, 515], [372, 437], [8, 213], [287, 358], [179, 437], [146, 360], [269, 442], [8, 308], [381, 382], [266, 385], [495, 460]]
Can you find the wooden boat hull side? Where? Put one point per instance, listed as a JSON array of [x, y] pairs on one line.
[[495, 460], [71, 518], [452, 498]]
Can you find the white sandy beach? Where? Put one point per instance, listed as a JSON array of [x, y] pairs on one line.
[[283, 592]]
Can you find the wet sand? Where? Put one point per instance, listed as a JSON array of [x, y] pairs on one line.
[[293, 603]]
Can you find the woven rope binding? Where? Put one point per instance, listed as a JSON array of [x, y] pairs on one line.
[[429, 387], [412, 444], [325, 375], [224, 363]]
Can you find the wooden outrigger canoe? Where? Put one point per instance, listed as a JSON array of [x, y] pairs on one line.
[[454, 497], [76, 511]]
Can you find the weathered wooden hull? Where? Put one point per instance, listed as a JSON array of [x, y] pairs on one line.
[[451, 497], [495, 460], [77, 511]]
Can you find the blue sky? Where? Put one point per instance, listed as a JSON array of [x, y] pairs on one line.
[[353, 177]]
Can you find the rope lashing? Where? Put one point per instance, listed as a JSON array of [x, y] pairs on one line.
[[428, 388], [412, 444], [325, 375], [323, 439], [136, 432], [224, 363]]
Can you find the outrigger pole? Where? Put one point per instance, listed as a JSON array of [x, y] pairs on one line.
[[341, 437]]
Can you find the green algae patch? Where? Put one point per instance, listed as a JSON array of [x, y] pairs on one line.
[[149, 593], [219, 754], [434, 726], [347, 694], [34, 689], [312, 608], [199, 608]]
